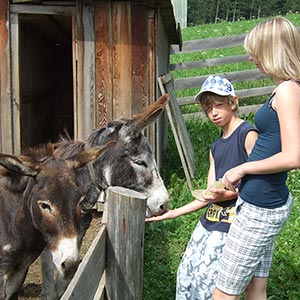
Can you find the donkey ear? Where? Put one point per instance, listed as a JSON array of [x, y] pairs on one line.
[[22, 165], [149, 115], [86, 156]]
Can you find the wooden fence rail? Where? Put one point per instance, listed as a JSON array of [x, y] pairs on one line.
[[216, 43], [211, 44], [112, 268]]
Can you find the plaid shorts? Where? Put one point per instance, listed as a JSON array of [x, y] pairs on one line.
[[250, 245]]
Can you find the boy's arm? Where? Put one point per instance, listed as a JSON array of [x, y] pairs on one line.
[[250, 141]]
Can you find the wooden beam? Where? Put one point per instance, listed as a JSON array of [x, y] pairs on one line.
[[181, 136], [42, 9], [25, 1], [5, 82]]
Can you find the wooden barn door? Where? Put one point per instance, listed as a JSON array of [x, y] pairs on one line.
[[52, 80], [42, 74]]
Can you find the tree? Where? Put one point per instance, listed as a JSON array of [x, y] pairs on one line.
[[208, 11]]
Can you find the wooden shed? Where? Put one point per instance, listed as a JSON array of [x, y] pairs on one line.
[[75, 65]]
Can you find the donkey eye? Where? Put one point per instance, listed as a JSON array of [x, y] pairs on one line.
[[45, 206], [141, 163]]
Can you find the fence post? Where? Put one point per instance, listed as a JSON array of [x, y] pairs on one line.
[[125, 244]]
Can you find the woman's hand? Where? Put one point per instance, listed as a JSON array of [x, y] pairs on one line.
[[214, 195], [232, 177]]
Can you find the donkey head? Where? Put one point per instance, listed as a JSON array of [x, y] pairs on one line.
[[131, 162], [52, 200]]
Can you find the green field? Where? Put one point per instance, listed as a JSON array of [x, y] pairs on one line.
[[165, 241]]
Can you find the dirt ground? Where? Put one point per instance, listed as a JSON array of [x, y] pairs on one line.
[[32, 286]]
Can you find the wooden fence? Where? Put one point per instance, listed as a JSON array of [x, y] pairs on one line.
[[112, 268], [238, 76]]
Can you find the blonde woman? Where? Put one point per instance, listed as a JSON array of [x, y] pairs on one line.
[[264, 202]]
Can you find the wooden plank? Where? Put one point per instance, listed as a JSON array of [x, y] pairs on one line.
[[15, 80], [265, 90], [86, 280], [75, 76], [197, 81], [160, 46], [125, 244], [208, 44], [243, 110], [181, 128], [42, 9], [101, 292], [85, 107], [180, 143], [25, 1], [104, 62], [151, 24], [5, 83], [140, 77], [209, 62], [122, 84], [242, 94]]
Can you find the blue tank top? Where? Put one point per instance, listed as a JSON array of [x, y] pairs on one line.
[[268, 190], [227, 153]]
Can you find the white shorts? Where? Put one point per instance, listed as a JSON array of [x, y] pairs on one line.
[[250, 245], [199, 266]]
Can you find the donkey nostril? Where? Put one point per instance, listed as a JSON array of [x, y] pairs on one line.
[[69, 267], [163, 207]]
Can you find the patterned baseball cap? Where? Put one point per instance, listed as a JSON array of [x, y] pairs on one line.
[[216, 84]]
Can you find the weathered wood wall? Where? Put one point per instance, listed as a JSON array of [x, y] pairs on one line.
[[124, 61], [118, 50]]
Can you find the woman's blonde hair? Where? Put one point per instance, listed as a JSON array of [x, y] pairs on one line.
[[275, 45]]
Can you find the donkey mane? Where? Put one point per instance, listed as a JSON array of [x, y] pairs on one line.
[[39, 152], [67, 148]]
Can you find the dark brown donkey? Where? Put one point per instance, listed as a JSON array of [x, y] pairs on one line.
[[129, 163], [40, 204]]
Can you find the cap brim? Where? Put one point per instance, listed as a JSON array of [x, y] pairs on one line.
[[220, 93], [197, 97]]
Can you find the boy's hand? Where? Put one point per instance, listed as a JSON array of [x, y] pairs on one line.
[[167, 215]]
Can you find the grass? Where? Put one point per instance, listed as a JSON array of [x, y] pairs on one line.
[[165, 241]]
